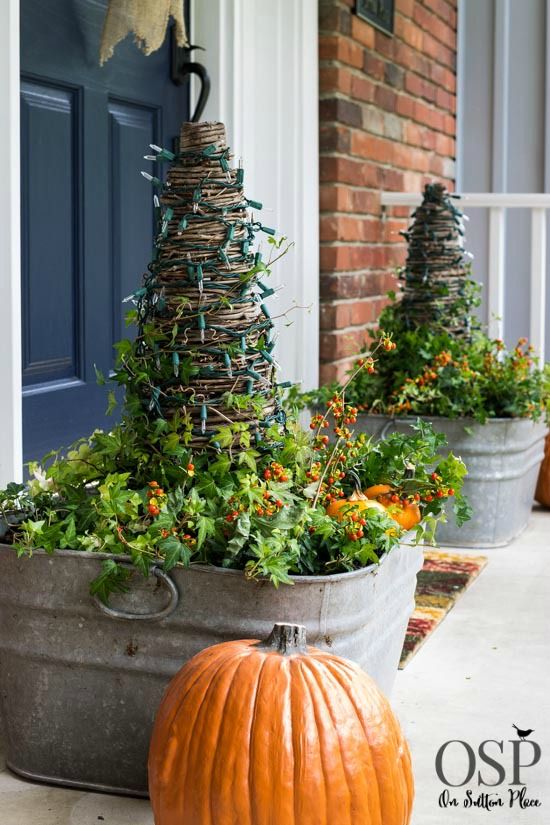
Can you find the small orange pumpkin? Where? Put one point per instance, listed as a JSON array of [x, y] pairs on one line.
[[275, 733], [407, 516], [356, 503], [378, 490], [542, 493]]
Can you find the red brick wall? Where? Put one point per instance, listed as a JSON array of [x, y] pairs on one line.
[[387, 122]]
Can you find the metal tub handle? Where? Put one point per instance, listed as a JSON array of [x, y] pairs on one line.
[[114, 613], [389, 426]]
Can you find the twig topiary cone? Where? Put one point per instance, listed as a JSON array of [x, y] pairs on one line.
[[436, 271], [205, 334]]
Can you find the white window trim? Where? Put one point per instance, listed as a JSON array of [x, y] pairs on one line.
[[10, 249]]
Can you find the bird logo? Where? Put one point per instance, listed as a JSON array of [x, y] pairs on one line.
[[523, 734]]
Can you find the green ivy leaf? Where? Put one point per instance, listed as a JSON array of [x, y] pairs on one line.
[[112, 579], [462, 510], [205, 527], [173, 551], [248, 457], [99, 377], [187, 370], [240, 536], [111, 403]]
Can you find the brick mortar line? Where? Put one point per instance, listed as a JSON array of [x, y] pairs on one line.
[[366, 270], [379, 84], [376, 215], [371, 217], [347, 359], [450, 7], [361, 131], [370, 189], [351, 302], [361, 75], [332, 33], [327, 274], [399, 38], [332, 63], [332, 153], [373, 272], [334, 244], [324, 213], [348, 330], [435, 14], [375, 136], [349, 274], [422, 29], [382, 137], [339, 95], [369, 244], [403, 16], [405, 118]]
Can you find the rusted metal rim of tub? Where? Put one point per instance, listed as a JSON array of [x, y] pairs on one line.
[[210, 568], [393, 421], [74, 783], [474, 421]]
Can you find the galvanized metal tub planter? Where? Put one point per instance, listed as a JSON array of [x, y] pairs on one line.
[[79, 685], [503, 458]]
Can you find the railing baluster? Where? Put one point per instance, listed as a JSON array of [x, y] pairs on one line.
[[495, 282], [538, 280]]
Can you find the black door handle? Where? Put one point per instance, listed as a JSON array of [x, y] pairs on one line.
[[183, 67]]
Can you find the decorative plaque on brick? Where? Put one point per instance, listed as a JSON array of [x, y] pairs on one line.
[[377, 12]]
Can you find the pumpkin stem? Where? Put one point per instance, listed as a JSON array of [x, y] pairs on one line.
[[356, 480], [286, 639]]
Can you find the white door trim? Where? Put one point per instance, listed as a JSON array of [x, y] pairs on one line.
[[263, 64], [10, 249]]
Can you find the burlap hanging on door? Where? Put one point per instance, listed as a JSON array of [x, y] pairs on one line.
[[147, 19]]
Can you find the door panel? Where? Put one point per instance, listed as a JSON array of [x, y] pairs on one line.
[[131, 128], [51, 270], [87, 215]]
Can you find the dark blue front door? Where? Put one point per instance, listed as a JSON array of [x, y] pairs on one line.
[[87, 221]]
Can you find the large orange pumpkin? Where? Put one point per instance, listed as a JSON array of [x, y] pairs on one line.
[[274, 733], [542, 493]]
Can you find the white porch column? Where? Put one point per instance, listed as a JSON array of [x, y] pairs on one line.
[[262, 60], [10, 256]]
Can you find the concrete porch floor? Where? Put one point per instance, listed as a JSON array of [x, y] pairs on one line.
[[487, 666]]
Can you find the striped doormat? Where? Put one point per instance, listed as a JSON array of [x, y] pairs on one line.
[[441, 582]]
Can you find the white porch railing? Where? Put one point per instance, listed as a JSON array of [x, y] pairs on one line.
[[497, 203]]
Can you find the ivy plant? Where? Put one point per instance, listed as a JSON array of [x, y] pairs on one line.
[[139, 492], [433, 373]]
